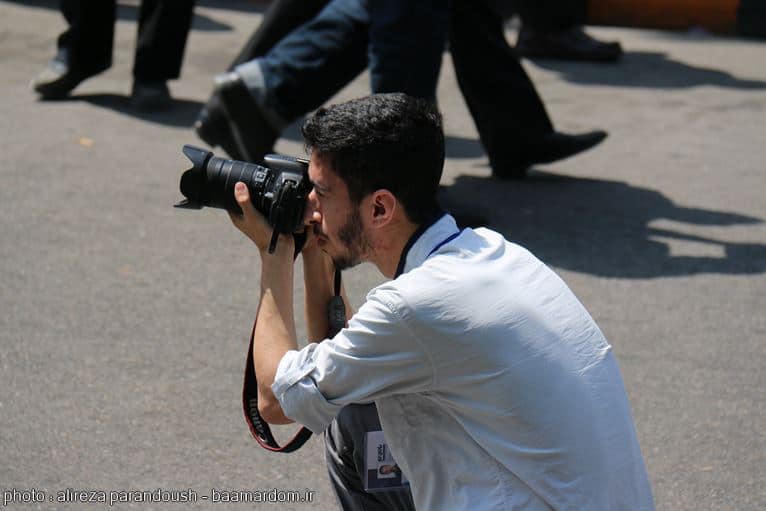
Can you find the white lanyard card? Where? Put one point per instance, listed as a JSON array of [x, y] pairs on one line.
[[382, 472]]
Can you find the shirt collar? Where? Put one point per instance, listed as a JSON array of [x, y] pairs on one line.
[[423, 241]]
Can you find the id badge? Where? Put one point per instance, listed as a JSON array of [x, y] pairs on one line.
[[382, 472]]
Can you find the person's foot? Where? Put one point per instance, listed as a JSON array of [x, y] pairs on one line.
[[212, 127], [552, 147], [150, 95], [569, 44], [238, 124], [57, 80]]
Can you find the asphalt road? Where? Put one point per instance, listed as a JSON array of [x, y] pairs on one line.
[[124, 322]]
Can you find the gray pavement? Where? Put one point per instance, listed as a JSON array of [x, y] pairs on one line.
[[124, 322]]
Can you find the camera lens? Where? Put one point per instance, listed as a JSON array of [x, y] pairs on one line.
[[210, 182], [278, 191]]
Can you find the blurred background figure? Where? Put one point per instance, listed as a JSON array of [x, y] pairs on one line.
[[277, 78], [553, 29], [305, 52], [213, 125], [85, 49], [510, 116]]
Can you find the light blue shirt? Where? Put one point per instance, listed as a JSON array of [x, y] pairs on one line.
[[495, 388]]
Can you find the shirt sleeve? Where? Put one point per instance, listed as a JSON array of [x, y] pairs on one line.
[[375, 357]]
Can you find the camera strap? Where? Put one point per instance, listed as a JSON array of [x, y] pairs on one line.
[[259, 428]]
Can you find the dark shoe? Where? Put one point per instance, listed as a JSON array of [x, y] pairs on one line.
[[150, 95], [212, 127], [253, 135], [569, 44], [553, 146], [57, 80]]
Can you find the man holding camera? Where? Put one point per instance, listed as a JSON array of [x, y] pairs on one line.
[[494, 387]]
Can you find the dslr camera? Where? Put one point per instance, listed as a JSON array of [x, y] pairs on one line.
[[278, 189]]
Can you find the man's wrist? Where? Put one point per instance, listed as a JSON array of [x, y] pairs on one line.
[[316, 258], [284, 249], [318, 267]]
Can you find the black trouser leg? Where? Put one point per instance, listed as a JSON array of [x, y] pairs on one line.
[[502, 100], [163, 27], [90, 35]]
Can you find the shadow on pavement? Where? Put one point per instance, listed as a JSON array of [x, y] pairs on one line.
[[181, 114], [235, 5], [604, 228], [647, 70], [462, 147]]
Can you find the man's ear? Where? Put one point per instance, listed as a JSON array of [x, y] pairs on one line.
[[384, 206]]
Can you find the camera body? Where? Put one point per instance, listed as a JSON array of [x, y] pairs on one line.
[[278, 190]]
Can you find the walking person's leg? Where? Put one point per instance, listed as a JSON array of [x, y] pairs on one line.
[[84, 48]]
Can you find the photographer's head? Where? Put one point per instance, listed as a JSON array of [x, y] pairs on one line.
[[375, 165], [384, 141]]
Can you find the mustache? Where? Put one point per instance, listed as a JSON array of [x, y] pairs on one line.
[[317, 230]]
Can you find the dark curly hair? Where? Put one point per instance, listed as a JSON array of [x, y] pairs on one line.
[[383, 141]]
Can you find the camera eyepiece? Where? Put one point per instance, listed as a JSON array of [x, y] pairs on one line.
[[278, 190]]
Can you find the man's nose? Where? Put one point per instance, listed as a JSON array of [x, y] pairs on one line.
[[312, 215]]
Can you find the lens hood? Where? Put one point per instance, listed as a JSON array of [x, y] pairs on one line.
[[193, 180]]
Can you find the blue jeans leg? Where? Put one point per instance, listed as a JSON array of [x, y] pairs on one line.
[[407, 39], [316, 60]]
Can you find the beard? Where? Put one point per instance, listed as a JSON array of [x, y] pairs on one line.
[[353, 239]]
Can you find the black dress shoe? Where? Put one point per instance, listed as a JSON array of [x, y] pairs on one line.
[[569, 44], [212, 127], [57, 80], [248, 130], [552, 147], [150, 95]]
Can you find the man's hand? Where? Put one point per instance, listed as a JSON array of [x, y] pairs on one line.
[[254, 225], [310, 246]]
